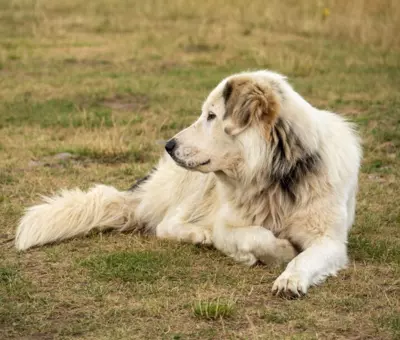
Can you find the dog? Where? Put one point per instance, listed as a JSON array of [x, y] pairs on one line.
[[261, 175]]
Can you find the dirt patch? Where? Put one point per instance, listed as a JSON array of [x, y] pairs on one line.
[[84, 157], [87, 62], [171, 65], [201, 47], [135, 102], [351, 111], [39, 336]]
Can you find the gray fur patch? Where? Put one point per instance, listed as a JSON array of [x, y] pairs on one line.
[[291, 163]]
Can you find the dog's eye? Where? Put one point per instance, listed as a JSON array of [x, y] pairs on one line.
[[211, 116]]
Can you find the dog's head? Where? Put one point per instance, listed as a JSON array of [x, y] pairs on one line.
[[241, 107]]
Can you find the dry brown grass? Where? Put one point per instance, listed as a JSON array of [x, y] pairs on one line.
[[105, 81]]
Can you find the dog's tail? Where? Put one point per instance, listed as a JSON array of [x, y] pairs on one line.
[[74, 212]]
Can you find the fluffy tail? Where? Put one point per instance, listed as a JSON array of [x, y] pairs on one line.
[[74, 212]]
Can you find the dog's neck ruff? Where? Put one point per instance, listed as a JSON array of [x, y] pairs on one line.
[[277, 182]]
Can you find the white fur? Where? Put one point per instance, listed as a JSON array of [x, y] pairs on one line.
[[213, 196], [74, 212]]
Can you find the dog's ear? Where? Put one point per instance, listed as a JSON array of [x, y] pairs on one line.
[[247, 102]]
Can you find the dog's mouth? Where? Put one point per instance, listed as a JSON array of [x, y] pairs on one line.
[[202, 164], [205, 163], [189, 164]]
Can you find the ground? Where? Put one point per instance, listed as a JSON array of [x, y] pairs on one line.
[[107, 82]]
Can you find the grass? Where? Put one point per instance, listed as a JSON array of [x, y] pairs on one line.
[[214, 309], [106, 81]]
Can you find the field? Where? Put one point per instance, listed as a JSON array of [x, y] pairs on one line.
[[88, 92]]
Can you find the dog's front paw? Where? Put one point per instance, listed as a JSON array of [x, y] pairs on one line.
[[290, 285], [241, 244], [245, 258], [184, 233], [199, 236]]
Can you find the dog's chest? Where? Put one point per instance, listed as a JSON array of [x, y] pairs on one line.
[[258, 209]]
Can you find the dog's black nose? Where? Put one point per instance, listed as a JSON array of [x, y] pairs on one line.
[[170, 146]]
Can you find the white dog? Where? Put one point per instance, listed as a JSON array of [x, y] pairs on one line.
[[261, 175]]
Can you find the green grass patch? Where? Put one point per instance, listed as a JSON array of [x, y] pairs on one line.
[[52, 113], [129, 267], [8, 275], [373, 166], [106, 157], [391, 323], [367, 249], [16, 301], [81, 153], [6, 178], [214, 309], [275, 317]]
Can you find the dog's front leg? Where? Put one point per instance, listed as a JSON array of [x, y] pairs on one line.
[[174, 229], [321, 231], [248, 245], [324, 257]]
